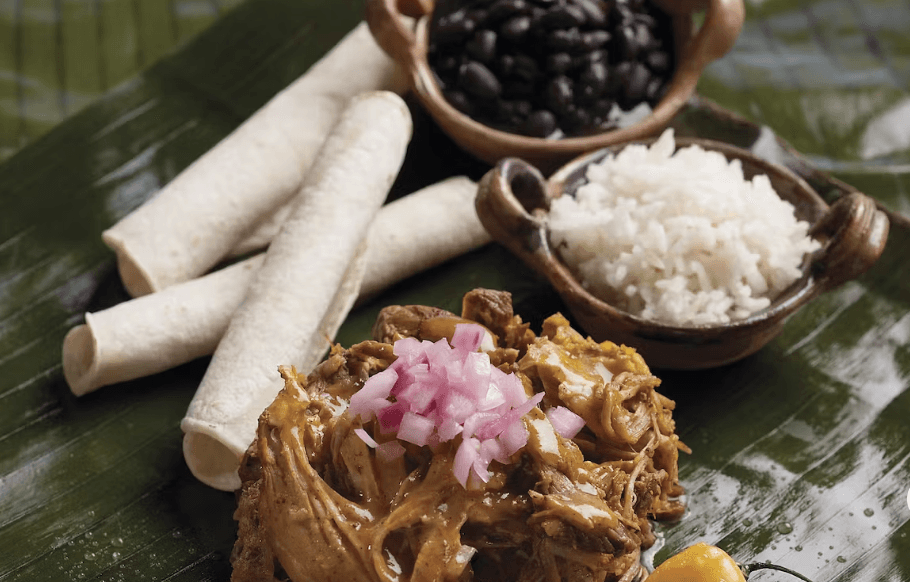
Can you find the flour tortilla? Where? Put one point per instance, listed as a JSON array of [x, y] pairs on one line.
[[150, 334], [213, 205], [281, 320]]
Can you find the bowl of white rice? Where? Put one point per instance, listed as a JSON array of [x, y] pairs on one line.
[[692, 251]]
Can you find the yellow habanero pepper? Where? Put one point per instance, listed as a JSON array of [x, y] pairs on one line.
[[699, 563], [705, 563]]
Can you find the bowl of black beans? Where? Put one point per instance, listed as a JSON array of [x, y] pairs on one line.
[[546, 80]]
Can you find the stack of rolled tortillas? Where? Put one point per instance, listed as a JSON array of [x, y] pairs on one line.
[[307, 177]]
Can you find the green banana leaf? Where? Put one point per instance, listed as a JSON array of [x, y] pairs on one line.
[[801, 452]]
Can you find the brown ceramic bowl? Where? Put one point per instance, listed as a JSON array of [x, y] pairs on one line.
[[513, 200], [694, 50]]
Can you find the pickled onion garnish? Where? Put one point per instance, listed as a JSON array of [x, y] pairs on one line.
[[435, 391], [564, 421]]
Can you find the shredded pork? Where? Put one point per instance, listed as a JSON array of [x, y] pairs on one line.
[[317, 504]]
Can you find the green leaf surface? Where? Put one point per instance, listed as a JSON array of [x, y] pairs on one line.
[[801, 453], [57, 56]]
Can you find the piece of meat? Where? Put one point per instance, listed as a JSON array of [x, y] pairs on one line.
[[493, 310], [399, 321], [317, 504]]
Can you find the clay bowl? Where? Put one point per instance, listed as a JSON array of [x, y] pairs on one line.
[[694, 51], [513, 200]]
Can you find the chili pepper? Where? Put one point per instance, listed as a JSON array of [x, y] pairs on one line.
[[706, 563], [698, 563]]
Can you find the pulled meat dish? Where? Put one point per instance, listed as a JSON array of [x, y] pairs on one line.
[[318, 504]]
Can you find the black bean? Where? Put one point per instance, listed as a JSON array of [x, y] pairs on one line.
[[520, 89], [594, 39], [596, 56], [579, 15], [560, 93], [453, 29], [635, 84], [601, 108], [447, 64], [515, 28], [540, 123], [512, 113], [643, 37], [558, 63], [482, 46], [627, 42], [594, 12], [585, 94], [459, 101], [575, 119], [659, 61], [595, 77], [479, 81], [505, 64], [622, 13], [537, 13], [485, 108], [523, 107], [564, 40], [479, 16], [654, 91], [645, 19], [526, 68], [505, 110], [502, 9], [563, 16]]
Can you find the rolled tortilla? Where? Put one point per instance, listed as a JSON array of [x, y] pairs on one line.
[[281, 319], [150, 334], [210, 207]]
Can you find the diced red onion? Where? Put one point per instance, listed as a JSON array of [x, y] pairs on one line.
[[509, 386], [433, 392], [467, 337], [365, 437], [475, 423], [415, 429], [378, 388], [418, 396], [513, 437], [510, 417], [390, 417], [449, 429], [564, 421], [465, 456], [458, 407], [492, 449]]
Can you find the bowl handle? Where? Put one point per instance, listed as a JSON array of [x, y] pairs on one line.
[[723, 23], [856, 232], [507, 197], [391, 31], [717, 34]]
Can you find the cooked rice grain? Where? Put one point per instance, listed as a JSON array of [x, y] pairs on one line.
[[680, 238]]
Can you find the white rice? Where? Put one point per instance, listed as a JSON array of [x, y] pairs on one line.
[[680, 238]]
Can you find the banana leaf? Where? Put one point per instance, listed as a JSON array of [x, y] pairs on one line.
[[800, 452]]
